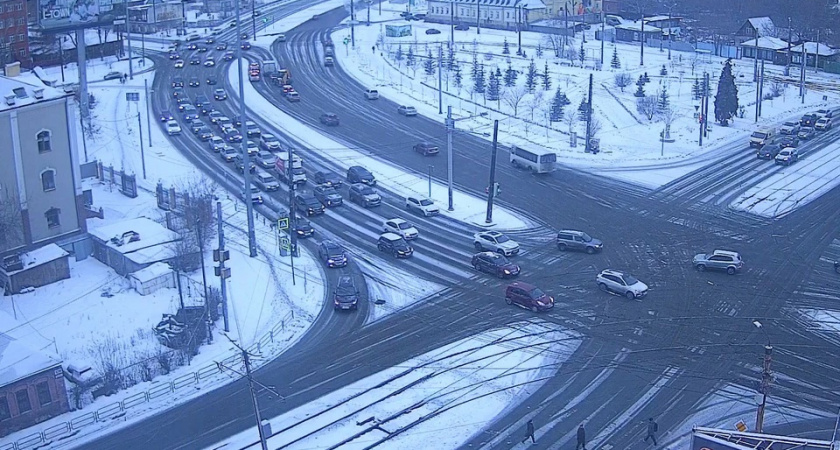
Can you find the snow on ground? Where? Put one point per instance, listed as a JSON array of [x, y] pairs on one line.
[[629, 141], [795, 186], [823, 322], [97, 68], [394, 288], [468, 209], [730, 405], [459, 389]]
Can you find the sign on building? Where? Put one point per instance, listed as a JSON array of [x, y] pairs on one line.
[[397, 30], [72, 14]]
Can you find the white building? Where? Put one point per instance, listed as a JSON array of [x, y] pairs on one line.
[[504, 14]]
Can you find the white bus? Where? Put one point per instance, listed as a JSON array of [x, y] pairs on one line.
[[537, 161]]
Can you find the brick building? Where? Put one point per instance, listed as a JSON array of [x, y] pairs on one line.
[[14, 32]]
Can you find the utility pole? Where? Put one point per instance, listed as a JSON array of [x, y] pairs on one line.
[[757, 101], [221, 255], [519, 29], [352, 24], [761, 88], [642, 39], [566, 27], [789, 57], [243, 146], [450, 128], [589, 116], [451, 23], [670, 31], [491, 190], [755, 68], [603, 19], [802, 74], [246, 359], [128, 31], [142, 150], [201, 251], [706, 106], [253, 20], [478, 17], [766, 379], [148, 118], [292, 214], [440, 79]]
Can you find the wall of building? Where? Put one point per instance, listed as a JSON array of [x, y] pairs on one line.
[[41, 406], [14, 33]]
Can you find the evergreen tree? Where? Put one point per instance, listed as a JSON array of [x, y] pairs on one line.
[[641, 81], [458, 78], [696, 92], [663, 101], [479, 83], [410, 59], [559, 102], [546, 78], [510, 76], [640, 92], [646, 78], [493, 87], [399, 54], [584, 105], [475, 66], [539, 50], [726, 100], [663, 71], [615, 63], [582, 54], [506, 48], [531, 77], [429, 64], [499, 75], [450, 59]]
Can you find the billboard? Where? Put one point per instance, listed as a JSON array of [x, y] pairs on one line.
[[397, 30], [66, 15], [716, 439], [699, 442]]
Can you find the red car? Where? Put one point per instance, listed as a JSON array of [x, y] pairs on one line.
[[528, 296]]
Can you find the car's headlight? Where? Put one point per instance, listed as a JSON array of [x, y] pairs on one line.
[[507, 271]]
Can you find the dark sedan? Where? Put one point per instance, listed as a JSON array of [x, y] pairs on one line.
[[328, 196], [166, 116], [329, 119], [303, 227], [327, 179], [332, 254], [426, 149], [492, 262]]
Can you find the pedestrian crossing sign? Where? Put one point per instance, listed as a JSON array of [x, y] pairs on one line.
[[283, 223]]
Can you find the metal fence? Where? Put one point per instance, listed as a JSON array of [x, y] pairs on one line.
[[119, 409]]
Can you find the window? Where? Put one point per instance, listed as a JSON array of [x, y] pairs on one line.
[[5, 413], [23, 403], [21, 37], [12, 39], [44, 141], [22, 52], [48, 180], [20, 21], [18, 7], [44, 396], [52, 216]]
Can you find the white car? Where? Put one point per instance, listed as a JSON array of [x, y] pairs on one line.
[[496, 242], [402, 228], [173, 128], [407, 111], [422, 205], [621, 284], [823, 124], [787, 156], [216, 144], [371, 94], [790, 127]]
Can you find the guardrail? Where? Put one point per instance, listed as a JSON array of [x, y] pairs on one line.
[[119, 409]]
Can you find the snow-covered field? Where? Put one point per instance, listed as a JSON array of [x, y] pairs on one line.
[[629, 141], [485, 375]]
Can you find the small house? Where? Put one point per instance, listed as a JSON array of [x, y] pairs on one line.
[[632, 32], [32, 269], [755, 27], [770, 49], [818, 54], [131, 245]]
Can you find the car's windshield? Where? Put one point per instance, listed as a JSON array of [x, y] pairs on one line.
[[537, 293], [630, 280], [426, 202], [502, 238], [367, 191], [404, 225], [500, 260], [586, 237]]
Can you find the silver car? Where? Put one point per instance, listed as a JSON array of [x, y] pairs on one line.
[[726, 260], [621, 283]]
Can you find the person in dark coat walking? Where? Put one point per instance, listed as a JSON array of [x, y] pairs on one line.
[[652, 428], [581, 438], [530, 432]]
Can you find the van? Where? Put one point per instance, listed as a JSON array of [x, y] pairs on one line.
[[528, 296], [193, 37], [762, 136], [266, 181]]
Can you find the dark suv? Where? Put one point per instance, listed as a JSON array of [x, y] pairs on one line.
[[346, 295], [494, 263], [528, 296], [329, 119], [394, 244], [426, 149], [769, 151], [328, 196], [332, 254], [308, 205], [358, 174], [364, 195], [578, 240], [327, 179]]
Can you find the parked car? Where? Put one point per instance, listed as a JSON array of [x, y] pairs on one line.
[[401, 227], [494, 263], [789, 127], [346, 294], [328, 196], [332, 254], [371, 94], [113, 75], [621, 284], [728, 261], [394, 244], [528, 296], [406, 110], [462, 27], [358, 174], [327, 178], [787, 156], [421, 205], [329, 119], [578, 240], [823, 124], [806, 133], [308, 204], [426, 149], [495, 241], [364, 195], [173, 128], [769, 151], [432, 31]]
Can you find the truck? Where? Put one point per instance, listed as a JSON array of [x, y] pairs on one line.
[[254, 71], [329, 47], [269, 69], [761, 137], [298, 175]]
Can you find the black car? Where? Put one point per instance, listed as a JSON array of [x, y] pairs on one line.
[[432, 31], [177, 82], [769, 151], [228, 56], [462, 27], [394, 244], [328, 196], [492, 262], [303, 227], [308, 205], [204, 133], [178, 92], [246, 45], [327, 179], [195, 82], [192, 46], [232, 135], [211, 80], [209, 40], [358, 174], [332, 254], [240, 164], [364, 195], [221, 46], [329, 119], [195, 61], [174, 55], [426, 149], [788, 140], [166, 116], [200, 100], [808, 120], [346, 295], [202, 49], [206, 109]]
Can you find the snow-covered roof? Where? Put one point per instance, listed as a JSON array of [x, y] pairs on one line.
[[637, 26], [764, 25], [17, 360], [812, 48], [152, 245], [525, 4], [661, 17], [150, 273], [766, 42], [26, 89], [42, 255]]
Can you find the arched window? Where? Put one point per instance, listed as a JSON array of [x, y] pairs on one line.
[[44, 144], [48, 180]]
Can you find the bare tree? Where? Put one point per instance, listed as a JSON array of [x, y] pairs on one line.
[[554, 42], [622, 80], [194, 223], [668, 115], [536, 102], [11, 221], [571, 118], [594, 127], [647, 105], [513, 97]]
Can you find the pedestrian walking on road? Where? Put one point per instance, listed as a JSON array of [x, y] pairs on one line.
[[652, 428], [581, 438], [529, 432]]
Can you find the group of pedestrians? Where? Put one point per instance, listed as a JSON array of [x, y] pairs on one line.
[[652, 429]]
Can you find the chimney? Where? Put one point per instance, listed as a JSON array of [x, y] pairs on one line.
[[39, 93], [10, 99], [12, 69]]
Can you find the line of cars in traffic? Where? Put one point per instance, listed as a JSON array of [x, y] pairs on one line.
[[782, 146]]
